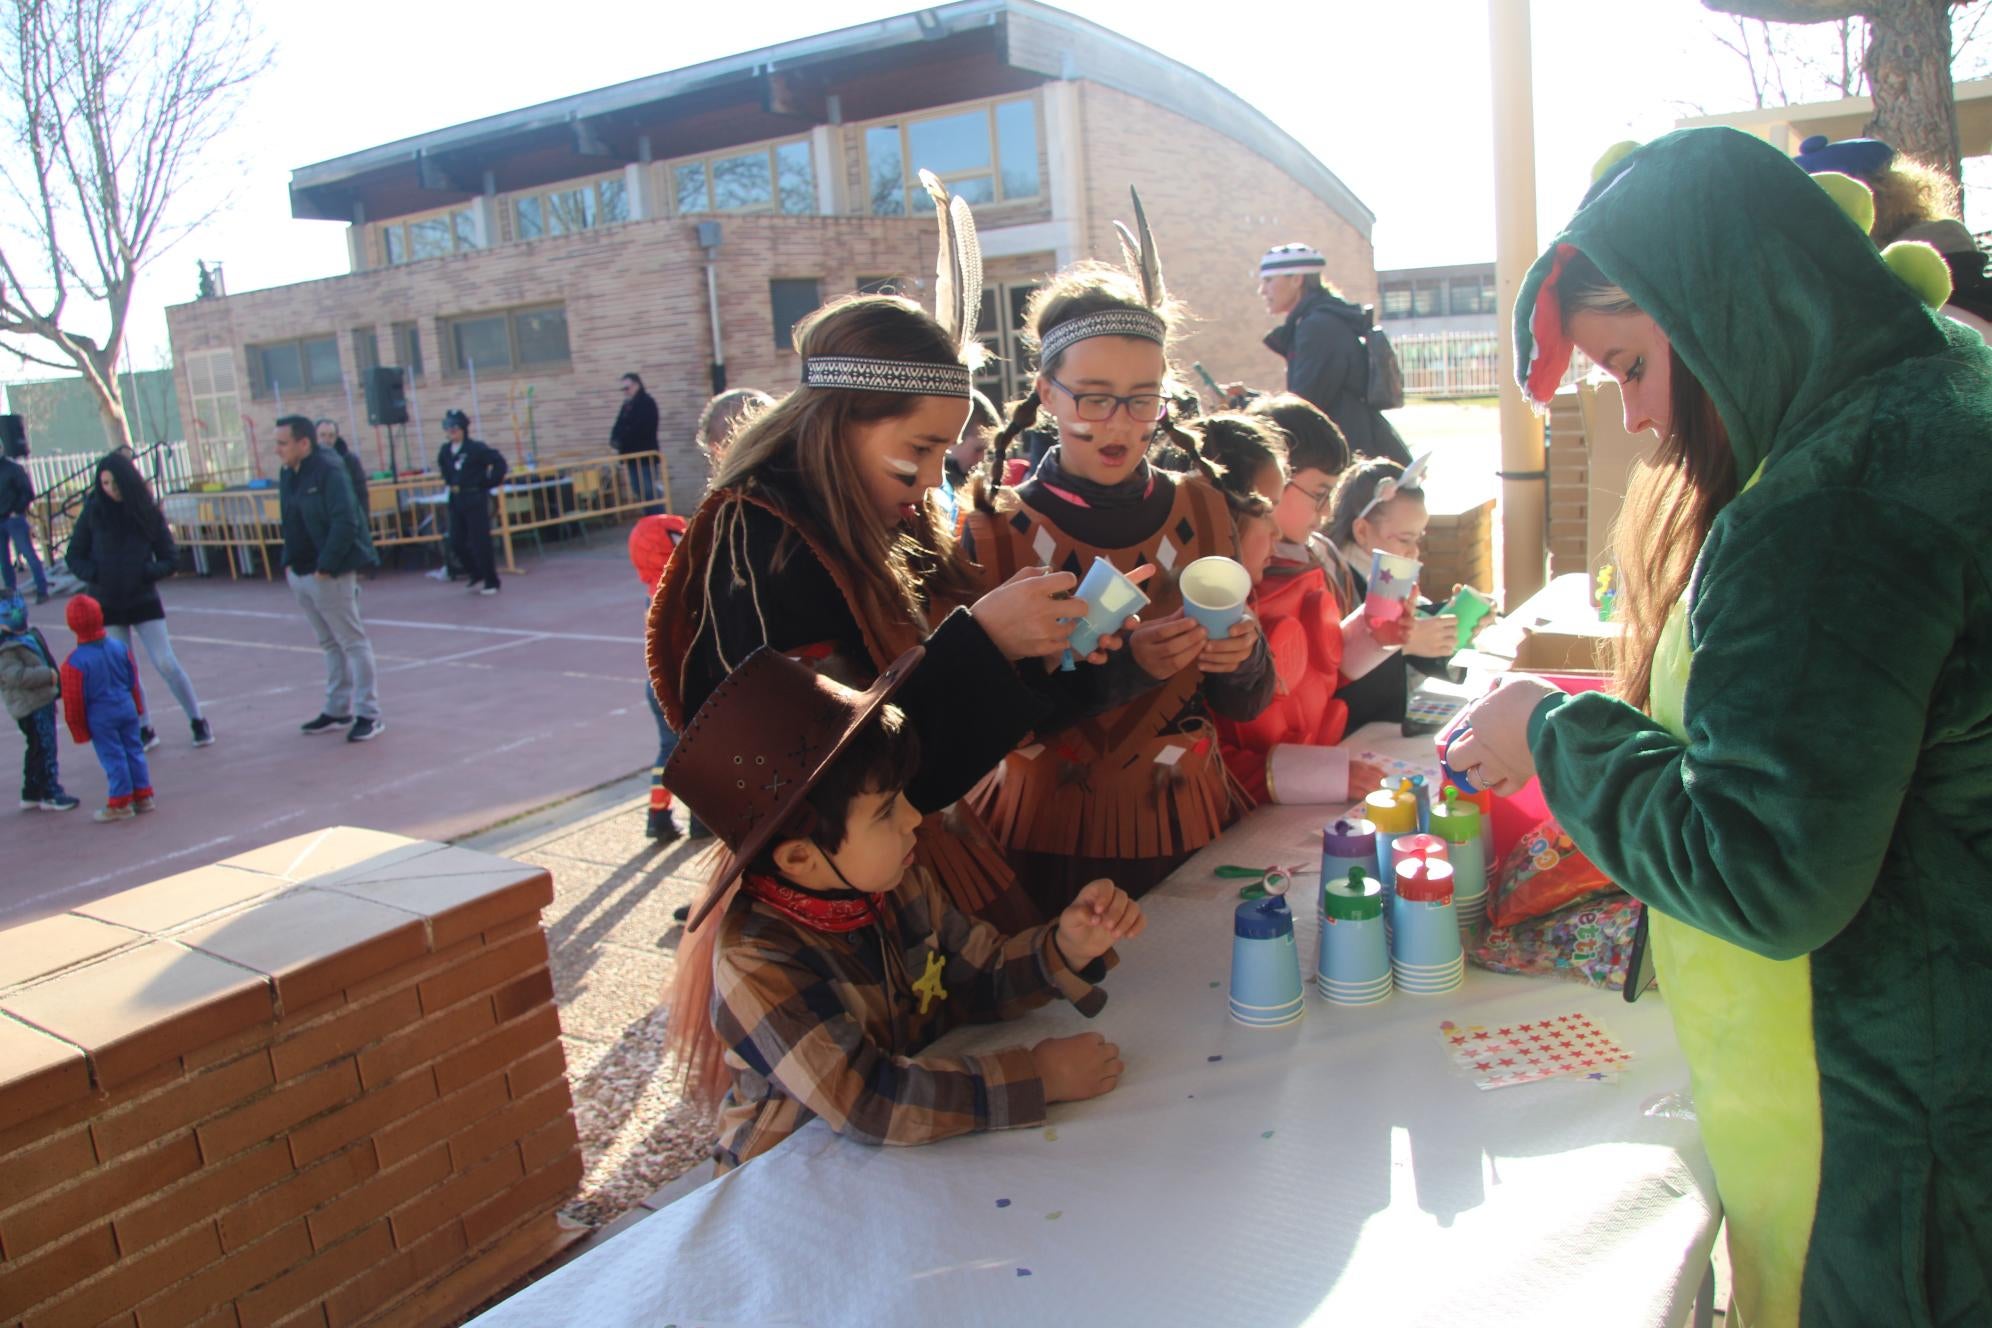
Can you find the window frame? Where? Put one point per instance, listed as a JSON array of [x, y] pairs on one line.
[[541, 195], [770, 148], [453, 367], [909, 168], [408, 354], [398, 229], [260, 386], [785, 332]]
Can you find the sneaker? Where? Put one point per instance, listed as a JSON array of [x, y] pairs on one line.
[[472, 585], [661, 827], [147, 738], [204, 733], [488, 590], [325, 723], [124, 813], [41, 597], [141, 805], [365, 730], [61, 802]]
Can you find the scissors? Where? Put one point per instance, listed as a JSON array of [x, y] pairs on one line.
[[1264, 880]]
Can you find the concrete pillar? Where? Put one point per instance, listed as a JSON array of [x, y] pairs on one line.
[[1524, 486], [826, 159], [1065, 154]]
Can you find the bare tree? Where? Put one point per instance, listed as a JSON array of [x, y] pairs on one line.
[[1907, 64], [108, 104]]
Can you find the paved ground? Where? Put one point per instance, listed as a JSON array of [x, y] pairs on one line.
[[494, 705]]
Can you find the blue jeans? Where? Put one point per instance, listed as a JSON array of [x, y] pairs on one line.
[[667, 742], [14, 533], [38, 777]]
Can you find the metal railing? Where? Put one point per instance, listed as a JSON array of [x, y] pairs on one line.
[[63, 481], [1440, 365]]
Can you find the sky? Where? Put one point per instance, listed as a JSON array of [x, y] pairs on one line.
[[1393, 98]]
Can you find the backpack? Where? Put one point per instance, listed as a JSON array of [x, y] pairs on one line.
[[1384, 388]]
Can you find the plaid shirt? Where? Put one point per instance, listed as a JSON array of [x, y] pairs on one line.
[[823, 1024]]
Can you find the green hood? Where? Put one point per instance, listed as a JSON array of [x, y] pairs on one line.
[[1774, 317]]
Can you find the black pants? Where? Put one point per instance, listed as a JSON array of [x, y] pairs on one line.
[[470, 535]]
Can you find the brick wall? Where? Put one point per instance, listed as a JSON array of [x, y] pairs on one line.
[[319, 1083], [1459, 550], [1569, 487], [635, 297], [1215, 206]]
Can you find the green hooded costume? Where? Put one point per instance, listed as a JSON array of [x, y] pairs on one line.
[[1808, 809]]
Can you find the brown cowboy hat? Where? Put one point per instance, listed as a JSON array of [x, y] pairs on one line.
[[760, 742]]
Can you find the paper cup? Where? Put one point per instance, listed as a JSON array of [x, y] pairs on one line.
[[1214, 593], [1110, 600], [1265, 966]]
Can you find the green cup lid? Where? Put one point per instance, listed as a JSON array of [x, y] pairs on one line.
[[1352, 898], [1456, 820]]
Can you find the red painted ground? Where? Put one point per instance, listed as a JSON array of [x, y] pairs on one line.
[[494, 705]]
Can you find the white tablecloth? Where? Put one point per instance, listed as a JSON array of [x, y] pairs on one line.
[[1339, 1171]]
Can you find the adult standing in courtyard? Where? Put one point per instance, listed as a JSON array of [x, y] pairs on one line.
[[121, 549], [326, 544], [1324, 343], [330, 437], [474, 472], [634, 435], [17, 495]]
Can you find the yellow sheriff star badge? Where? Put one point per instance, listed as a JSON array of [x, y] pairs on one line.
[[929, 986]]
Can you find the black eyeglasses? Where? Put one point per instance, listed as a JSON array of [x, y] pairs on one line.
[[1320, 500], [1097, 407]]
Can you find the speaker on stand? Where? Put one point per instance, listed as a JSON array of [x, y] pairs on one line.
[[387, 404]]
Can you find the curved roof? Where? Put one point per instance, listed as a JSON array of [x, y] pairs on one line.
[[1005, 44]]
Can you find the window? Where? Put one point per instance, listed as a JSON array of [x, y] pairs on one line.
[[792, 299], [435, 236], [775, 177], [1472, 295], [294, 366], [408, 349], [217, 414], [1428, 299], [986, 154], [1396, 301], [506, 339], [1007, 371], [366, 349], [577, 207]]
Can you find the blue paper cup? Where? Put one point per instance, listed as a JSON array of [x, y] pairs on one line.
[[1265, 965], [1214, 593], [1353, 952], [1110, 600], [1427, 932]]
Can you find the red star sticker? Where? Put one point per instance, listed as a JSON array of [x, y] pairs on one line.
[[1506, 1061], [1482, 1065], [1527, 1027], [1482, 1034], [1459, 1041], [1506, 1031]]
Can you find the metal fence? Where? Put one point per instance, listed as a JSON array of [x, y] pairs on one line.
[[1458, 364]]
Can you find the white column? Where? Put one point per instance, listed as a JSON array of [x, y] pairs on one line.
[[1524, 494], [1065, 158], [826, 159]]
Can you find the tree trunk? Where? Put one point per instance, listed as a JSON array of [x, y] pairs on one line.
[[1909, 68], [101, 375]]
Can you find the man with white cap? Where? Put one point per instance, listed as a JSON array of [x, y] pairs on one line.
[[1323, 342]]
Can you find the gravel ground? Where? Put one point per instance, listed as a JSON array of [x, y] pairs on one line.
[[614, 947]]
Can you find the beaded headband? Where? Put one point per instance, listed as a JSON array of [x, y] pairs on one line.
[[1107, 323], [1291, 258], [849, 373]]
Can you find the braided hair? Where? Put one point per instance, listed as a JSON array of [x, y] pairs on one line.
[[1076, 292]]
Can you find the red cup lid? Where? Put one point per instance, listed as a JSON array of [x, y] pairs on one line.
[[1425, 880], [1418, 846]]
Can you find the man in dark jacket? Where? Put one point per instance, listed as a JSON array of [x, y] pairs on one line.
[[635, 438], [1322, 342], [326, 543], [17, 494], [474, 471]]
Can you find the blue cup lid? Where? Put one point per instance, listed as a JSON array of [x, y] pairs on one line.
[[1349, 838], [1263, 919]]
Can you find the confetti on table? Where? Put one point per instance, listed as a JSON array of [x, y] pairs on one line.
[[1213, 984], [1213, 1059], [1023, 1272], [1051, 1135], [1267, 1135], [1054, 1215], [1002, 1203], [1570, 1045]]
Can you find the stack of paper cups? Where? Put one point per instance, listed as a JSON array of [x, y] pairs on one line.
[[1457, 821], [1265, 966], [1421, 794], [1403, 847], [1354, 967], [1393, 810], [1425, 954], [1345, 844]]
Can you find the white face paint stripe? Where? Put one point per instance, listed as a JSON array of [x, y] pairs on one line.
[[901, 466]]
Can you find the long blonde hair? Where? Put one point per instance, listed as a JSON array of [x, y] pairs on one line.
[[1670, 503], [895, 572]]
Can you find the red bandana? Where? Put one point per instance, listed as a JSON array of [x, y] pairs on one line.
[[815, 912]]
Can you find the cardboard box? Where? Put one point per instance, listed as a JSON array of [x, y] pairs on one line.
[[1565, 648]]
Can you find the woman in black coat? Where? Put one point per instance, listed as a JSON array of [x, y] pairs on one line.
[[121, 549]]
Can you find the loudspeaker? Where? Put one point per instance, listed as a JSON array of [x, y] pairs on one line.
[[13, 436], [387, 402]]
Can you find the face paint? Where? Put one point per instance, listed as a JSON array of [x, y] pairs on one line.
[[903, 470]]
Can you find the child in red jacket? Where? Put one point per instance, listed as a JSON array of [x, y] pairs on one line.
[[101, 703]]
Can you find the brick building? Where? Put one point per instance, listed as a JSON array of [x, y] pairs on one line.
[[691, 217]]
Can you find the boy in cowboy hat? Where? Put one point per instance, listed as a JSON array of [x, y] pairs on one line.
[[838, 961]]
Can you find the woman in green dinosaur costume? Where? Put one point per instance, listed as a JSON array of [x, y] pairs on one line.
[[1795, 772]]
